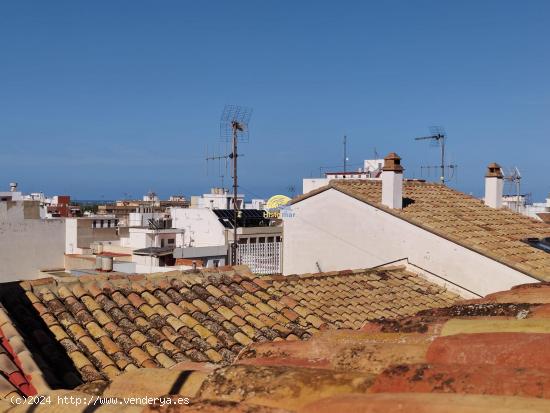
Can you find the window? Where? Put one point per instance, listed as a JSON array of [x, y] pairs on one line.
[[94, 224], [101, 223], [216, 263], [261, 240], [253, 240], [278, 239], [243, 240], [162, 242], [171, 241], [269, 239]]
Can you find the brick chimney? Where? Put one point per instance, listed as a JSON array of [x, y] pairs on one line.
[[494, 185], [392, 182]]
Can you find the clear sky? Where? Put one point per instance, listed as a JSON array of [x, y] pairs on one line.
[[106, 98]]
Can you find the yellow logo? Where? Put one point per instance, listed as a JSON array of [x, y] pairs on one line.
[[274, 205]]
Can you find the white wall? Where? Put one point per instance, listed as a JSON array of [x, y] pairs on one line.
[[340, 232], [202, 228], [309, 184], [141, 219], [28, 246], [143, 238], [71, 236]]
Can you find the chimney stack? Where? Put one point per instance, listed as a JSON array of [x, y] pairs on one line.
[[494, 186], [392, 182], [13, 186]]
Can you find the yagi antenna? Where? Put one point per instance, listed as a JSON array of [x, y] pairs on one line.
[[223, 161], [514, 178], [438, 137]]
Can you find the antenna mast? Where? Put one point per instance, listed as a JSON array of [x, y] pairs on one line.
[[514, 177], [234, 127], [438, 137], [345, 155]]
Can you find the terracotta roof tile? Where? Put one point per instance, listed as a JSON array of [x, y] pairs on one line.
[[109, 326], [426, 403], [289, 388], [481, 356]]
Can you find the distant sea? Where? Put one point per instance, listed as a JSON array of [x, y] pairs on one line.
[[93, 201]]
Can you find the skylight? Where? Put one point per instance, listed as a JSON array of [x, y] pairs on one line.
[[540, 243]]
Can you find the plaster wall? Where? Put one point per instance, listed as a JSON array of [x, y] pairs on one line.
[[27, 245]]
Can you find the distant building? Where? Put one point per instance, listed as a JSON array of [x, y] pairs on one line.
[[151, 197], [536, 210], [372, 168], [28, 244], [61, 207], [218, 198], [177, 198], [83, 232], [12, 195], [151, 203], [256, 203], [153, 246], [259, 238]]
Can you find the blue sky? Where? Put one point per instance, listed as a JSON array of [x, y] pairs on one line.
[[103, 98]]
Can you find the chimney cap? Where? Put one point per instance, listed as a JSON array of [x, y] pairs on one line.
[[392, 162], [494, 170]]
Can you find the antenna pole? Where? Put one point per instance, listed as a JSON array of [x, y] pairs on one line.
[[518, 189], [235, 125], [345, 156], [442, 138]]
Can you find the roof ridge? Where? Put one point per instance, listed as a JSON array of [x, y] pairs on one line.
[[293, 277], [196, 276]]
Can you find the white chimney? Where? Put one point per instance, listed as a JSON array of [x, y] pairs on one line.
[[494, 186], [392, 182], [13, 186]]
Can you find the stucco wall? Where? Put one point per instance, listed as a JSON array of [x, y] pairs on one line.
[[80, 234], [28, 246], [339, 232], [202, 228]]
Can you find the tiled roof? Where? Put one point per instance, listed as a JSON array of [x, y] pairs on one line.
[[108, 324], [19, 373], [474, 353], [347, 299], [463, 219], [484, 355]]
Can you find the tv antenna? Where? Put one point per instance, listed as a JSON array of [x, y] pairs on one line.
[[514, 178], [222, 171], [292, 190], [234, 128], [437, 137]]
